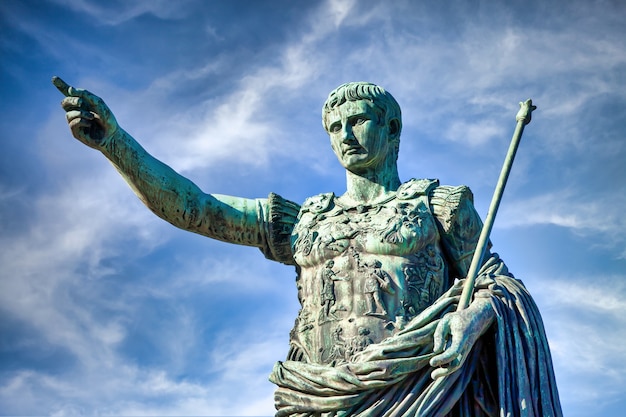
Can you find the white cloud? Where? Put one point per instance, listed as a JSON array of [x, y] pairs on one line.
[[586, 327], [566, 208], [338, 9], [87, 223], [451, 82], [474, 133], [117, 12], [242, 127], [241, 362]]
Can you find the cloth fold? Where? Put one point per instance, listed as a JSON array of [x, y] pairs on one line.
[[508, 372]]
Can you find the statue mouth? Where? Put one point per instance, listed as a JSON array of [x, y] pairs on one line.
[[353, 150]]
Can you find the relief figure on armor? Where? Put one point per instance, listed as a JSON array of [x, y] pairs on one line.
[[327, 278], [377, 281], [338, 351], [380, 271], [359, 342]]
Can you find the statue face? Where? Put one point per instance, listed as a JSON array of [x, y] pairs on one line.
[[360, 142]]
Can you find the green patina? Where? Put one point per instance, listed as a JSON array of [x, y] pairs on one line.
[[380, 273]]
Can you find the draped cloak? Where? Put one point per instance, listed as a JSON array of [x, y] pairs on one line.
[[507, 373]]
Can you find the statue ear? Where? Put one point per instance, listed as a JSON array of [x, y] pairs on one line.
[[394, 128]]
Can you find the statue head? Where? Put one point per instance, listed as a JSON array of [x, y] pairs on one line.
[[383, 103], [378, 106]]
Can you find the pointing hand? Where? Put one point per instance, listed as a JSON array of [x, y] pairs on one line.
[[89, 118]]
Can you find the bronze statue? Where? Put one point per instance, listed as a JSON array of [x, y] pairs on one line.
[[380, 271]]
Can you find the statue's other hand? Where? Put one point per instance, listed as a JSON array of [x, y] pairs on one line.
[[455, 335], [90, 119]]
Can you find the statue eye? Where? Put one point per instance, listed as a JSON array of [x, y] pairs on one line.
[[335, 127], [360, 120]]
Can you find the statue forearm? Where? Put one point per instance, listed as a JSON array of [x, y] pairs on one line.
[[159, 187], [178, 200]]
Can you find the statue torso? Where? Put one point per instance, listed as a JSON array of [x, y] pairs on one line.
[[386, 267]]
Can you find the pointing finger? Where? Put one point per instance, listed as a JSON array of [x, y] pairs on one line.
[[69, 91], [61, 85]]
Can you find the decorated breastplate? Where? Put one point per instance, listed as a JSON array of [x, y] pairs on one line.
[[364, 271]]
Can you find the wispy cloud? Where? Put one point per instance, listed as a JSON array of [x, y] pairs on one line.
[[476, 133], [243, 127], [117, 12], [566, 208], [139, 320], [586, 329], [47, 291], [67, 291]]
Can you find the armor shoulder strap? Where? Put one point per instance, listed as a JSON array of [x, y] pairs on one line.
[[445, 201], [318, 203], [415, 188], [459, 224]]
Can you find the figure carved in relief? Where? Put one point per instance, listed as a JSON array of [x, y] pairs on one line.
[[359, 342], [338, 350], [328, 298], [358, 263], [429, 268], [376, 282], [412, 301]]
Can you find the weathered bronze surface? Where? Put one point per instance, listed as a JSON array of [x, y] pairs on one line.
[[380, 273]]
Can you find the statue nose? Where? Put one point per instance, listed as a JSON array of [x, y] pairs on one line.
[[347, 135]]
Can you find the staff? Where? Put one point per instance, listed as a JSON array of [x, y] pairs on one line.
[[523, 118]]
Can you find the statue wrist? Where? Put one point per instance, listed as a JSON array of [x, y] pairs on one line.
[[482, 310], [114, 143]]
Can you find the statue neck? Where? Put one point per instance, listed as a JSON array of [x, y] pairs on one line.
[[370, 187]]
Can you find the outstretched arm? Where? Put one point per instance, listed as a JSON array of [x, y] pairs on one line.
[[168, 194]]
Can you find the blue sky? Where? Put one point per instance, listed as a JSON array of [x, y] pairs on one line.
[[106, 309]]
